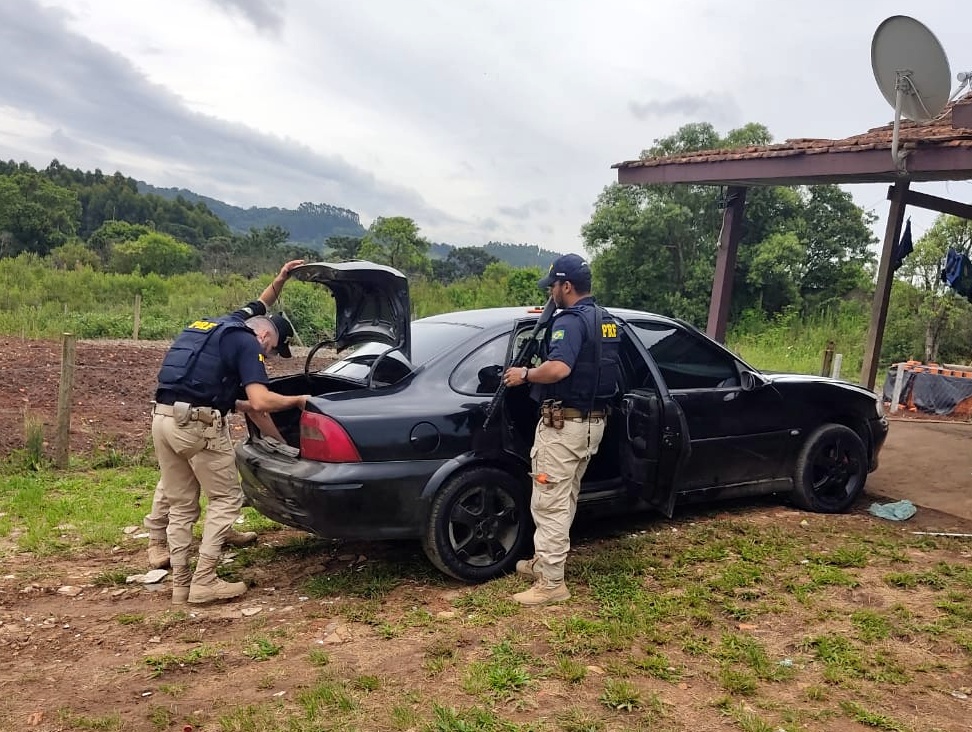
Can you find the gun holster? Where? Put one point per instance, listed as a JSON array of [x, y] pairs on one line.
[[182, 413], [552, 413]]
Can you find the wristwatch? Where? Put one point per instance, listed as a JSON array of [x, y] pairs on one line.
[[526, 371]]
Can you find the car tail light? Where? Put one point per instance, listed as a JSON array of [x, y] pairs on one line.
[[321, 438]]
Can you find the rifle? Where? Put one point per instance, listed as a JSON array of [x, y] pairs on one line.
[[528, 350]]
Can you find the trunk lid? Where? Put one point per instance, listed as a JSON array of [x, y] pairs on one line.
[[371, 302]]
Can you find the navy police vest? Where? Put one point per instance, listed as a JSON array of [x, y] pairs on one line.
[[193, 368], [590, 385]]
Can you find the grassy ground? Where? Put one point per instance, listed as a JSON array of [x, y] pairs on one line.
[[753, 618]]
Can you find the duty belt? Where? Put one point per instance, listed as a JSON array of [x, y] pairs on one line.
[[571, 413], [206, 415]]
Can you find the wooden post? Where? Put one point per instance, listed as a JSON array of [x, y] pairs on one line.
[[882, 289], [899, 379], [828, 358], [138, 315], [62, 444], [838, 362], [725, 269]]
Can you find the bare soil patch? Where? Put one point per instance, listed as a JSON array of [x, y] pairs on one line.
[[114, 384]]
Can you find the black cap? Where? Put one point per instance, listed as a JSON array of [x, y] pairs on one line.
[[569, 268], [285, 331]]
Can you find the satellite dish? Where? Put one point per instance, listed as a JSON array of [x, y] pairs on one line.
[[911, 71]]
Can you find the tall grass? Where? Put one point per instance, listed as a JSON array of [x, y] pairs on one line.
[[790, 343], [38, 301]]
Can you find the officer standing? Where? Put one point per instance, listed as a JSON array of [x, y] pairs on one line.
[[201, 375], [575, 383]]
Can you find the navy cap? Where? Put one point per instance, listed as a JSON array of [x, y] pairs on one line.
[[285, 331], [570, 268]]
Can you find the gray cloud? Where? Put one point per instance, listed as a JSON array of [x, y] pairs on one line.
[[526, 210], [265, 15], [717, 107], [97, 101]]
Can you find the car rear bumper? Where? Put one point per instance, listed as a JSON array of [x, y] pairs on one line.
[[337, 500]]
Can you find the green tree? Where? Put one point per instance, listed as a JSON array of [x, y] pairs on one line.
[[113, 232], [470, 261], [395, 241], [838, 240], [153, 252], [74, 255], [36, 214], [342, 248], [653, 247], [522, 288], [934, 309]]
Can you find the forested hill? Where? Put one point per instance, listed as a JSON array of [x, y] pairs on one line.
[[520, 256], [310, 224]]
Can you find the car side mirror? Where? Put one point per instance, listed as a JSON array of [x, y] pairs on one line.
[[751, 381]]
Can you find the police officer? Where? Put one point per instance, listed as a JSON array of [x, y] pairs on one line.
[[576, 382], [200, 377]]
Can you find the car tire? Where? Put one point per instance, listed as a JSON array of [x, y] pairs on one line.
[[830, 470], [479, 524]]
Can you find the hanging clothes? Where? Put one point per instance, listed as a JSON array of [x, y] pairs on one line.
[[957, 273], [903, 248]]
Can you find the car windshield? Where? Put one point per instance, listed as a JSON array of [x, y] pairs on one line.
[[429, 339]]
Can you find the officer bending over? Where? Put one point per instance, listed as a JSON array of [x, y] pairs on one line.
[[200, 377]]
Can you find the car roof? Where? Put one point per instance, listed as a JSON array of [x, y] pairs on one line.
[[491, 317]]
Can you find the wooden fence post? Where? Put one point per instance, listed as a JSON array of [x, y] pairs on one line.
[[62, 443], [828, 357], [138, 315]]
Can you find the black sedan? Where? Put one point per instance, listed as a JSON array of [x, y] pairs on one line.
[[392, 445]]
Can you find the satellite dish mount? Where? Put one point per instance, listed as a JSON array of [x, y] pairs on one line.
[[911, 70]]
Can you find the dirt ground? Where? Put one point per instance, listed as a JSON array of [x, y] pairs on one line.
[[114, 383], [70, 651]]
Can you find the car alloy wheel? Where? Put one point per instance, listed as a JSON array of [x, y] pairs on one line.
[[831, 470], [478, 524]]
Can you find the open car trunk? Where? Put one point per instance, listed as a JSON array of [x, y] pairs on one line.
[[288, 421], [371, 305]]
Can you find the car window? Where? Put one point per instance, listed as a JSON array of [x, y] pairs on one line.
[[634, 370], [432, 338], [479, 372], [357, 364], [685, 360], [428, 340]]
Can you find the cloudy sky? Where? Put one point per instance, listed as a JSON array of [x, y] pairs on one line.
[[481, 119]]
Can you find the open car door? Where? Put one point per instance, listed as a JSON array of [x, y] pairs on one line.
[[498, 431], [654, 446]]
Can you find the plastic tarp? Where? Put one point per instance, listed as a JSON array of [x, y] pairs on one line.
[[897, 511], [929, 392]]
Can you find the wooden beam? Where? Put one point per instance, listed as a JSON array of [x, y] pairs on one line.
[[732, 221], [850, 166], [882, 289], [934, 203]]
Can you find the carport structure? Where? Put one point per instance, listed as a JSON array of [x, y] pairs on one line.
[[939, 150]]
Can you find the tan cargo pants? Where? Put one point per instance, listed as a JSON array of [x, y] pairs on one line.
[[194, 457], [559, 458]]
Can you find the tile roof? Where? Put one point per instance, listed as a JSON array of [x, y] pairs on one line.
[[938, 133]]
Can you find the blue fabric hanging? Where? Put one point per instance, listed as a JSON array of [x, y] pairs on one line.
[[957, 273], [903, 248]]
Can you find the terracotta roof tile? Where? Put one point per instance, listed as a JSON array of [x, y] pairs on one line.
[[911, 135]]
